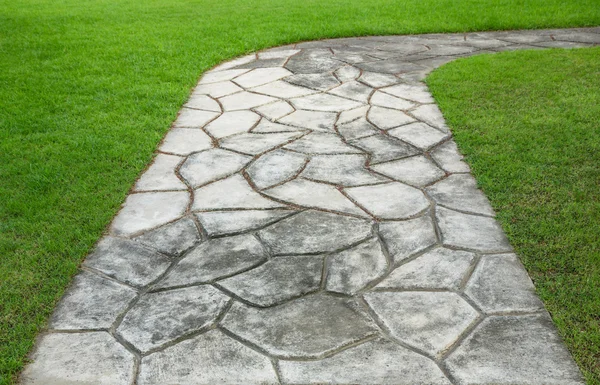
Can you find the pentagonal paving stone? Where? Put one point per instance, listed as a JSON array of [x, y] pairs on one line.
[[317, 81], [416, 170], [327, 324], [233, 192], [159, 318], [275, 110], [501, 284], [418, 134], [184, 141], [373, 362], [314, 232], [417, 93], [214, 259], [386, 118], [173, 239], [471, 231], [431, 321], [216, 90], [351, 270], [430, 114], [238, 221], [210, 358], [448, 157], [161, 175], [202, 102], [190, 118], [127, 261], [324, 102], [244, 100], [388, 101], [266, 126], [440, 268], [91, 302], [278, 280], [79, 358], [383, 148], [344, 170], [314, 120], [211, 165], [261, 76], [275, 167], [460, 192], [353, 90], [357, 129], [321, 143], [407, 238], [281, 89], [255, 144], [231, 123], [219, 76], [377, 80], [389, 200], [352, 115], [514, 350]]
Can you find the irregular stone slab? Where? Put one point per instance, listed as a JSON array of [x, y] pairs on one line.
[[344, 170], [233, 222], [231, 123], [328, 323], [501, 284], [261, 76], [431, 114], [309, 194], [275, 110], [407, 238], [159, 318], [347, 73], [265, 127], [351, 115], [281, 89], [127, 261], [440, 268], [414, 92], [190, 118], [353, 90], [220, 76], [460, 192], [91, 302], [446, 49], [203, 102], [210, 358], [351, 270], [389, 66], [322, 143], [184, 141], [313, 120], [383, 148], [403, 48], [313, 62], [324, 102], [377, 80], [254, 144], [386, 118], [244, 101], [264, 63], [374, 362], [431, 321], [235, 62], [278, 280], [357, 129], [316, 81], [416, 170], [214, 259], [388, 101], [233, 192], [389, 200], [211, 165], [471, 231], [161, 175], [275, 167], [173, 239], [80, 358], [217, 90], [448, 157], [312, 232], [418, 134], [275, 54], [514, 349], [579, 37]]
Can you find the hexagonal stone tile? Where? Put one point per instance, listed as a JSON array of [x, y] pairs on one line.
[[448, 157], [159, 318], [353, 90], [357, 129], [324, 102], [416, 170], [184, 141], [173, 239], [501, 284], [314, 120], [161, 175], [82, 358], [406, 238], [345, 170], [439, 268], [91, 302], [351, 270], [373, 362], [190, 118], [322, 143], [231, 123], [471, 231], [418, 134], [389, 200], [431, 321], [127, 261], [417, 93], [312, 232], [327, 324], [275, 167], [383, 148], [217, 223], [261, 76], [430, 114], [214, 259], [211, 165], [254, 144], [386, 118], [514, 350], [460, 192], [210, 358], [316, 81], [278, 280]]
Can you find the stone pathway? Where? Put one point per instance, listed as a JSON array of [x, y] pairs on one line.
[[308, 219]]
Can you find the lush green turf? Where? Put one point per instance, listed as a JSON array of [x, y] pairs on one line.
[[87, 89], [529, 125]]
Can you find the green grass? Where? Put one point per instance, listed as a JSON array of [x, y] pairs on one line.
[[88, 88], [529, 124]]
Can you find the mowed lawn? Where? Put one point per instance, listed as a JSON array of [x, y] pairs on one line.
[[88, 88], [529, 124]]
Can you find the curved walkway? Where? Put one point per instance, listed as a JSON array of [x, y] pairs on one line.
[[309, 220]]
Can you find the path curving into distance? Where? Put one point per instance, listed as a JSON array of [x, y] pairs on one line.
[[308, 219]]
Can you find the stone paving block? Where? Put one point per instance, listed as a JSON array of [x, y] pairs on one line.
[[313, 62], [203, 102], [352, 115], [80, 358], [352, 58], [265, 127], [190, 118], [430, 114], [448, 157], [235, 62], [254, 144], [284, 53], [127, 261], [172, 239], [353, 90], [314, 120], [91, 302], [386, 118], [244, 100], [316, 81], [382, 99], [275, 110], [377, 80], [514, 350], [322, 143], [417, 93], [416, 170], [449, 50], [439, 268], [281, 89], [460, 192], [357, 129], [220, 76], [501, 284], [347, 73], [431, 321], [275, 167], [404, 48], [184, 141], [278, 280], [261, 76], [328, 324], [231, 123], [345, 170], [161, 175], [214, 259], [210, 358], [418, 134], [383, 148], [324, 102], [389, 66], [264, 63], [238, 221], [314, 232], [407, 238], [578, 37], [217, 90], [211, 165], [389, 200], [159, 318]]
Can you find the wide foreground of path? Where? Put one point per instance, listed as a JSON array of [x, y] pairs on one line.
[[308, 219]]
